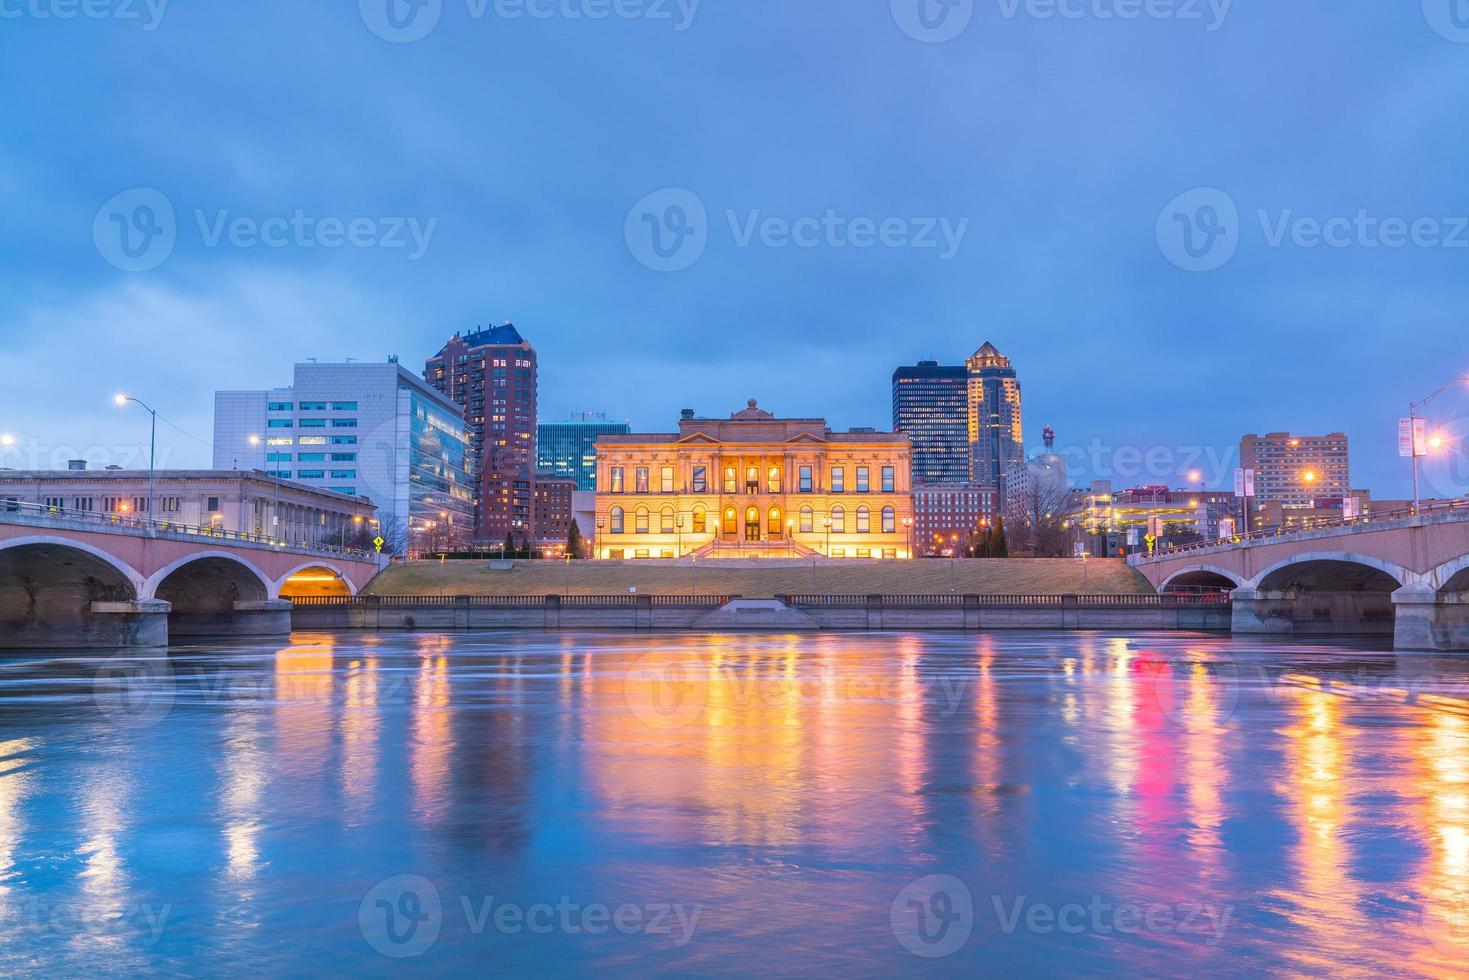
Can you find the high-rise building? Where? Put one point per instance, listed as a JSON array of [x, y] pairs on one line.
[[492, 374], [374, 430], [995, 434], [930, 406], [1297, 471], [569, 448], [553, 513]]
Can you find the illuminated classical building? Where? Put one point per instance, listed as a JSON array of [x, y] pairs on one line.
[[754, 485]]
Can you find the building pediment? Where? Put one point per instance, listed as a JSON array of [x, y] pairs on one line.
[[697, 438], [805, 437]]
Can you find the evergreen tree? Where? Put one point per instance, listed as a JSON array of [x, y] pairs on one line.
[[508, 551], [573, 541], [999, 546], [979, 544]]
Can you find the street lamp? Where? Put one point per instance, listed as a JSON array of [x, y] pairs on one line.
[[1413, 409], [120, 399], [908, 533]]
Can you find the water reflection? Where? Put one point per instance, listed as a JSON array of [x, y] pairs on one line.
[[790, 786]]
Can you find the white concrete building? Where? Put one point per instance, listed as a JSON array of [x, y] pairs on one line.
[[375, 430]]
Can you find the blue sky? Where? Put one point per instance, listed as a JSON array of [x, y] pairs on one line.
[[1067, 157]]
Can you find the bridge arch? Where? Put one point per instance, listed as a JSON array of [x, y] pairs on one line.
[[314, 578], [217, 561], [1333, 571], [1202, 575], [48, 585], [205, 590], [1452, 576]]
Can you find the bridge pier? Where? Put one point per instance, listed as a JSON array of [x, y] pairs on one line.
[[266, 617], [103, 625], [1430, 620], [1310, 611]]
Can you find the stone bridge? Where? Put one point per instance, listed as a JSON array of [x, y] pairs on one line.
[[74, 581], [1408, 576]]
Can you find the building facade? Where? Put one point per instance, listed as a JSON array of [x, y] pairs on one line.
[[1296, 471], [492, 373], [553, 513], [930, 407], [233, 501], [569, 448], [753, 485], [946, 517], [374, 430], [995, 431]]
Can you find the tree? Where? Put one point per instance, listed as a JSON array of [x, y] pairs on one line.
[[1040, 514], [508, 549], [574, 542], [998, 545]]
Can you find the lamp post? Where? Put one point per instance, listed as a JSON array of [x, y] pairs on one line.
[[597, 544], [1416, 451], [121, 400], [908, 533]]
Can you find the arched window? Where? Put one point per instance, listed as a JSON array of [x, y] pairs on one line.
[[665, 521], [889, 520], [808, 520], [777, 530], [838, 520], [640, 521], [730, 525], [701, 520], [616, 520], [752, 524], [864, 520]]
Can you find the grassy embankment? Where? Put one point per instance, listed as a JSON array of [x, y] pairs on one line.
[[997, 576]]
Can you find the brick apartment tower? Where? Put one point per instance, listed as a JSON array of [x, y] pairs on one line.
[[492, 373]]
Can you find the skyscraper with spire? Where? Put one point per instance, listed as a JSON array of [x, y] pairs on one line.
[[995, 432]]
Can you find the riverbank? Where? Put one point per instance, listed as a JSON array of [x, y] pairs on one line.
[[762, 578]]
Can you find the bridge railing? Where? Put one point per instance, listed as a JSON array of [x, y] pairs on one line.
[[26, 512], [1377, 517]]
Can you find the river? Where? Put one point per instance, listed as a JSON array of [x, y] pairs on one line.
[[736, 804]]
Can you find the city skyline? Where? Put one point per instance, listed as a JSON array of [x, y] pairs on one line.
[[184, 438], [1060, 262]]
